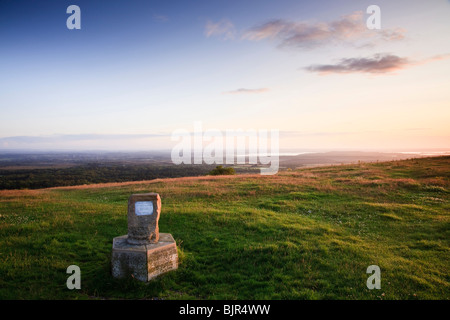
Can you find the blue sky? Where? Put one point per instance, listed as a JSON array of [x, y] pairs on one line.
[[138, 70]]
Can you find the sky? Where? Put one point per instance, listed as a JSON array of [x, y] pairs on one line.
[[137, 71]]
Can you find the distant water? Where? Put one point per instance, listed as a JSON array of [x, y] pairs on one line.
[[281, 154], [427, 153], [418, 153]]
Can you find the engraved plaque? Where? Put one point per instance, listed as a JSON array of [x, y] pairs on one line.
[[143, 208], [143, 215]]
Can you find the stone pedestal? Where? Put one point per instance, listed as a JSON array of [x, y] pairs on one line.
[[143, 253], [143, 262]]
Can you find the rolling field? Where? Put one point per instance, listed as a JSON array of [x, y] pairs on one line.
[[301, 234]]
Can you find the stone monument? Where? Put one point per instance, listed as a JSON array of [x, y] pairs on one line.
[[144, 253]]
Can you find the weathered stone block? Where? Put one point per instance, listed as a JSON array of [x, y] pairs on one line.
[[143, 262], [128, 260]]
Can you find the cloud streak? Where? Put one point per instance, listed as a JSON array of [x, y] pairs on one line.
[[224, 28], [160, 18], [377, 64], [349, 29], [245, 91]]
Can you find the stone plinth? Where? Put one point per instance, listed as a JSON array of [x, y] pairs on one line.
[[143, 262], [144, 253]]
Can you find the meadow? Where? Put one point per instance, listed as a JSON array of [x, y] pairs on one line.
[[301, 234]]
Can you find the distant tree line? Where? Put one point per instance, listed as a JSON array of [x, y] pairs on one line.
[[100, 173], [94, 173]]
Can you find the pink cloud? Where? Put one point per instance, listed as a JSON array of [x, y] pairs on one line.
[[348, 29]]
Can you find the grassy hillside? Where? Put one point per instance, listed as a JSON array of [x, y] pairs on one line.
[[306, 234]]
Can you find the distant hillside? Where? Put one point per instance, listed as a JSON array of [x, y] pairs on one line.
[[341, 157], [53, 169]]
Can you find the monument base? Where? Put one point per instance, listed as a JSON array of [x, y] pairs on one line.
[[143, 262]]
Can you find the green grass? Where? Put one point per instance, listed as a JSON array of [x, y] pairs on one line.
[[305, 234]]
